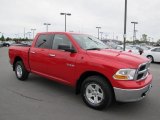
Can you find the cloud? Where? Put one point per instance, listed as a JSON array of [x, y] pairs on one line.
[[86, 15]]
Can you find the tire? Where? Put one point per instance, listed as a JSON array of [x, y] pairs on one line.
[[20, 71], [96, 92], [151, 58]]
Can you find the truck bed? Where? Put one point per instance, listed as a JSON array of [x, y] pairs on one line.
[[21, 51]]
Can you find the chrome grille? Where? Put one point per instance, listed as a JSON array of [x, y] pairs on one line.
[[142, 71]]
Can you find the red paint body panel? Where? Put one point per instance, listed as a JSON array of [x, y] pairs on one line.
[[106, 62], [22, 52]]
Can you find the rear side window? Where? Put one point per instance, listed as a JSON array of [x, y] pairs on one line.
[[44, 41], [60, 40], [156, 50]]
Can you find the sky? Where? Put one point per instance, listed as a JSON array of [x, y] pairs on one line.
[[86, 15]]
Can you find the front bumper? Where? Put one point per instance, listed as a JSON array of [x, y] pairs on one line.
[[131, 95]]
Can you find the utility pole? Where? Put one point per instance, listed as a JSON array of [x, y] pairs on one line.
[[101, 34], [29, 35], [125, 25], [98, 31], [134, 30], [33, 29]]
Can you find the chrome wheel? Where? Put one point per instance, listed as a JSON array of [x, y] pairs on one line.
[[19, 71], [94, 93]]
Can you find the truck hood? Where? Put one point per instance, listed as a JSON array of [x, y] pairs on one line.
[[121, 59]]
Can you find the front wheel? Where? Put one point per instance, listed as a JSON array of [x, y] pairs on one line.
[[97, 92], [150, 58], [20, 71]]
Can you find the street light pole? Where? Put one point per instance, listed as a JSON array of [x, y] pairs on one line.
[[134, 30], [125, 25], [47, 24], [65, 14], [98, 31], [33, 29]]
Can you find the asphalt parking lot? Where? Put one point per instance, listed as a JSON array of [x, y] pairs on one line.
[[41, 99]]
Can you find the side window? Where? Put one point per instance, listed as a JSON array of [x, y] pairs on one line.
[[44, 41], [60, 40], [156, 50], [153, 49]]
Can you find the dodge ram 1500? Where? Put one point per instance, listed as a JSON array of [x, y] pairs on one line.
[[101, 75]]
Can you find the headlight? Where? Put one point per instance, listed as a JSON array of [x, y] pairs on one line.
[[125, 74]]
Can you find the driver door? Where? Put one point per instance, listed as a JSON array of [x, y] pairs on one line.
[[61, 63]]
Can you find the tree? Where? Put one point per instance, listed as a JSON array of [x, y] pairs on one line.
[[7, 39], [2, 38], [136, 41], [158, 41], [144, 37]]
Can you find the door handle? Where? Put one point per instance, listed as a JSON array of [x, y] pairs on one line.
[[33, 52], [51, 55]]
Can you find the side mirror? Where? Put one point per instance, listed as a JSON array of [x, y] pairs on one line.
[[67, 48]]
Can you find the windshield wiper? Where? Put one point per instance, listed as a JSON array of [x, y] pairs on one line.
[[93, 49]]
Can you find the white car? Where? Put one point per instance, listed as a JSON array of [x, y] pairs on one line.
[[153, 54], [136, 49], [128, 49]]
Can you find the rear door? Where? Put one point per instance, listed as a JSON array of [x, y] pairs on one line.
[[39, 53], [61, 63]]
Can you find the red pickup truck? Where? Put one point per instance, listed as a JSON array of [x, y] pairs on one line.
[[100, 74]]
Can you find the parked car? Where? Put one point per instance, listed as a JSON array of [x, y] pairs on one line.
[[127, 48], [110, 45], [27, 42], [136, 49], [153, 54], [6, 44], [146, 47], [101, 75]]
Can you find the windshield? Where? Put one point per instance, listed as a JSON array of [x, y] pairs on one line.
[[88, 42]]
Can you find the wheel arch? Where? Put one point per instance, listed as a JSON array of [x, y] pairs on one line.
[[87, 74], [17, 58], [150, 56]]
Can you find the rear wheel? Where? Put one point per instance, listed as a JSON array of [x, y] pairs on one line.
[[20, 71], [151, 58], [96, 92]]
